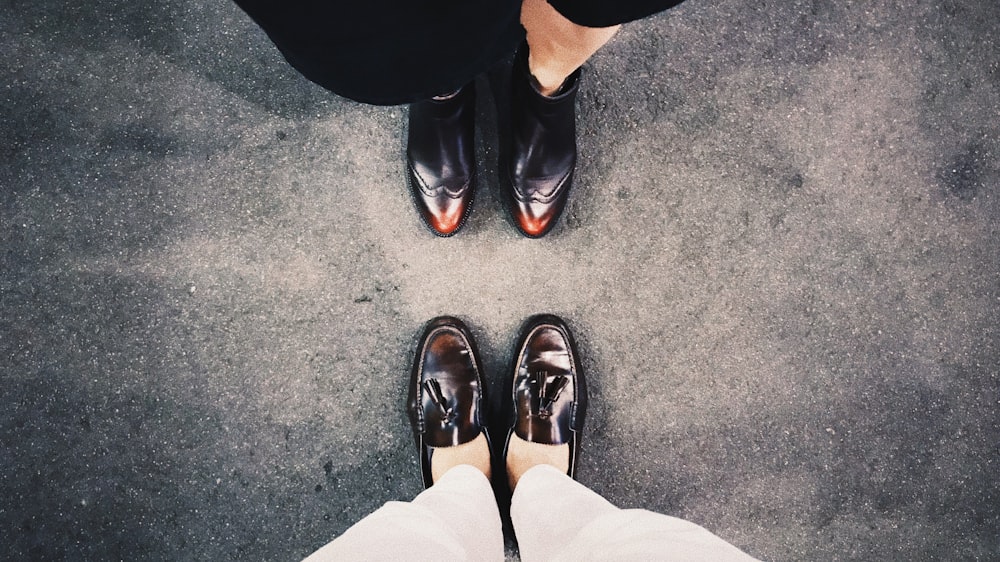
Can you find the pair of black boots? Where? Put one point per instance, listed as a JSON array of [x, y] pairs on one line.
[[537, 160]]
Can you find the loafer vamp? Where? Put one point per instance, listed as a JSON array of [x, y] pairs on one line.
[[546, 388], [448, 389]]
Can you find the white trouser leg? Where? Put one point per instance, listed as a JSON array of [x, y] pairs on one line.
[[455, 519], [557, 518]]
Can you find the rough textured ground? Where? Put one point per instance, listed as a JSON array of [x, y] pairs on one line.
[[782, 261]]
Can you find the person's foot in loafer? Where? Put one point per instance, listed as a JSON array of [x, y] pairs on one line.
[[441, 160], [446, 401], [541, 153], [549, 400]]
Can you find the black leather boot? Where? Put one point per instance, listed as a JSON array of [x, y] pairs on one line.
[[541, 155], [441, 159]]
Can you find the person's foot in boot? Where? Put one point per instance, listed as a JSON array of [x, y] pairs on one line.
[[541, 155], [441, 159]]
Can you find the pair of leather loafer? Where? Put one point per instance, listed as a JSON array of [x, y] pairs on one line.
[[446, 402], [537, 161]]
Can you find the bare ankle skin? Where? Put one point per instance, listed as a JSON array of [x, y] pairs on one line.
[[557, 46]]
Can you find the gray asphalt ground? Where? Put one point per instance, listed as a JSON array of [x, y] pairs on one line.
[[781, 261]]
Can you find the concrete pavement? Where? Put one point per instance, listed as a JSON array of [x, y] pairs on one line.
[[780, 259]]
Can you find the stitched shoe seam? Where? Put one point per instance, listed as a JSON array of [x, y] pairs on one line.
[[433, 192]]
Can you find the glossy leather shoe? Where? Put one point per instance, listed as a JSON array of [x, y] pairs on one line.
[[549, 390], [446, 398], [441, 159], [541, 156]]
